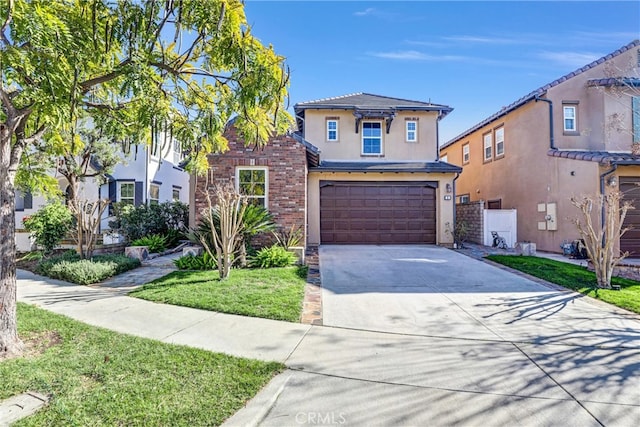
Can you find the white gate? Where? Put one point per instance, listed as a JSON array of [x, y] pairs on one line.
[[502, 221]]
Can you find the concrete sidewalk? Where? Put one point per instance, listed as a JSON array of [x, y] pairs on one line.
[[241, 336]]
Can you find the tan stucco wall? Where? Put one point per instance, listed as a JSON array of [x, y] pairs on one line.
[[444, 208], [527, 176], [349, 144]]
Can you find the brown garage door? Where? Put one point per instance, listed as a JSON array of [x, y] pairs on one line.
[[377, 212], [630, 187]]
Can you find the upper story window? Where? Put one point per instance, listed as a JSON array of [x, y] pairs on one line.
[[488, 146], [252, 183], [176, 193], [444, 158], [569, 119], [499, 136], [635, 118], [411, 133], [154, 194], [127, 193], [371, 138], [23, 200], [332, 129], [465, 153]]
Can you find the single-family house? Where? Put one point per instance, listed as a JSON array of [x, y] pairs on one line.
[[360, 169], [574, 136], [147, 174]]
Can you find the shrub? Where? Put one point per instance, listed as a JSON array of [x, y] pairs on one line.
[[70, 267], [196, 262], [83, 272], [49, 225], [156, 242], [273, 256], [144, 220]]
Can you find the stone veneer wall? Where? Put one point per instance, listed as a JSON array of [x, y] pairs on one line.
[[286, 161], [473, 214]]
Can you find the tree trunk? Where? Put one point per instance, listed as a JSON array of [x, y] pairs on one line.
[[10, 344]]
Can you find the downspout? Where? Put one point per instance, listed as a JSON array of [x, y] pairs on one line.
[[454, 205], [602, 213], [438, 140], [551, 139]]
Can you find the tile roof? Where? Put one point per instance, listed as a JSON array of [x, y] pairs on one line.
[[371, 102], [606, 157], [539, 91], [425, 167]]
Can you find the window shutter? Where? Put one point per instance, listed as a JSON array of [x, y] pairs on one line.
[[138, 194], [635, 106], [28, 200], [113, 186]]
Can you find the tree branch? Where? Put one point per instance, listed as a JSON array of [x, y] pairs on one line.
[[6, 23], [117, 72]]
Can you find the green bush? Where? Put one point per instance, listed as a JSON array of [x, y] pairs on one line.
[[136, 222], [155, 242], [196, 262], [70, 267], [83, 272], [49, 225], [273, 256]]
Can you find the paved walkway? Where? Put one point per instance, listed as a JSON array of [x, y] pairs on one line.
[[150, 270]]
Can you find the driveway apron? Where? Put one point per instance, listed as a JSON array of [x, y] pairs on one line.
[[421, 335]]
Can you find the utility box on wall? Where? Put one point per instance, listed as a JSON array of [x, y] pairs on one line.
[[550, 220]]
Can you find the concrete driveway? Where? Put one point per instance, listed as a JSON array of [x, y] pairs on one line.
[[420, 335]]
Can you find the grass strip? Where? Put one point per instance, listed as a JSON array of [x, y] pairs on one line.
[[101, 378], [576, 278]]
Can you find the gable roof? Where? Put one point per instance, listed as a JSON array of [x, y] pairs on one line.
[[539, 91], [368, 102]]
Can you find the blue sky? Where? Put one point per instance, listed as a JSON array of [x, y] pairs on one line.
[[474, 56]]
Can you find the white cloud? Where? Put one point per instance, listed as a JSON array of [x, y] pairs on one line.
[[571, 59], [414, 55], [367, 11], [481, 40]]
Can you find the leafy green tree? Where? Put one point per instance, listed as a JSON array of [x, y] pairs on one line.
[[49, 225], [124, 66]]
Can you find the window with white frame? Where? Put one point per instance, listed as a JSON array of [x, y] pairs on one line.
[[465, 153], [332, 130], [253, 183], [177, 152], [569, 118], [488, 146], [411, 134], [499, 134], [444, 158], [154, 194], [464, 198], [371, 138], [176, 193], [127, 193]]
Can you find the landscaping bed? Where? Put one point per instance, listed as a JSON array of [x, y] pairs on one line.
[[274, 293], [98, 377], [576, 278]]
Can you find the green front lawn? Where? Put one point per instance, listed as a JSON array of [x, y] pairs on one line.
[[575, 277], [97, 377], [271, 293]]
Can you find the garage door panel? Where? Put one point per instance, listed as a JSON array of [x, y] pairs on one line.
[[630, 241], [377, 213]]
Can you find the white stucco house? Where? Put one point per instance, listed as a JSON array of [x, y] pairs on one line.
[[145, 175]]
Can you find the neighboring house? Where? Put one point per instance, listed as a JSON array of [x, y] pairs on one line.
[[146, 175], [571, 137], [361, 169]]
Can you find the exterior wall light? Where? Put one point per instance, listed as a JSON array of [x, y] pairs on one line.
[[612, 181], [448, 188]]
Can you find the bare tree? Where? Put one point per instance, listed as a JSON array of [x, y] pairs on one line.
[[88, 214], [601, 238]]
